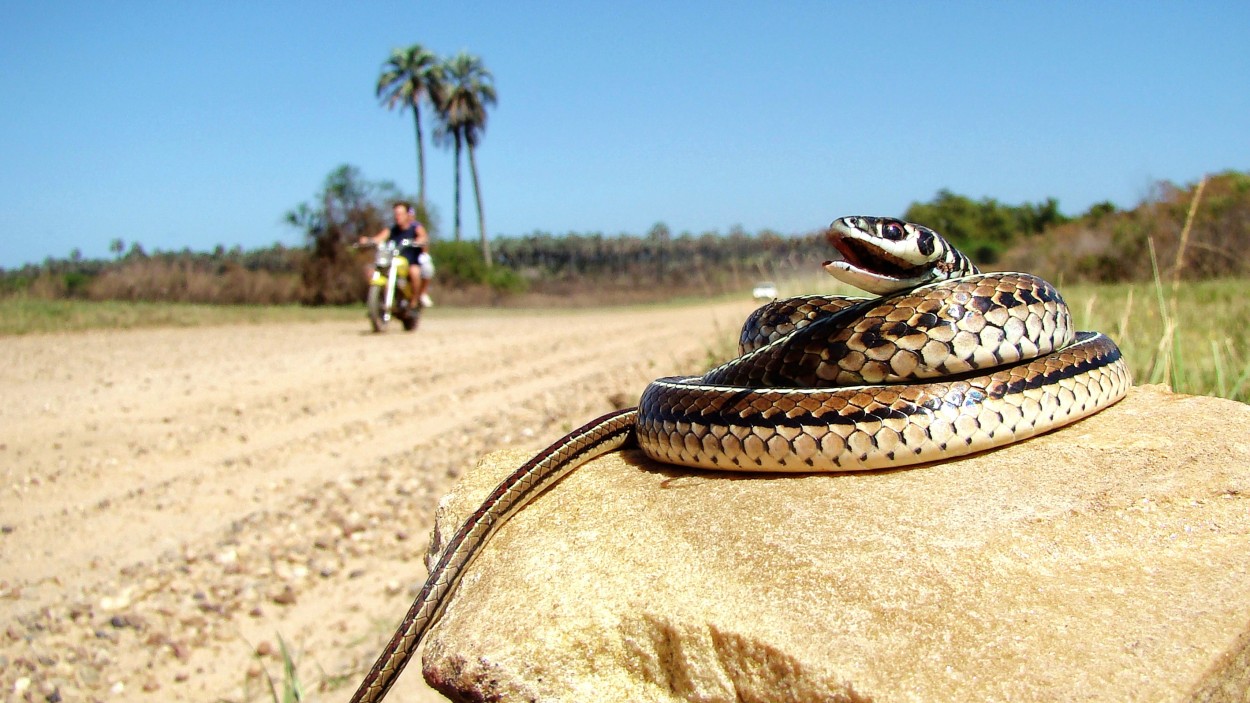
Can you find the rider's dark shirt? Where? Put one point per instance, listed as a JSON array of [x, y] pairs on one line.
[[410, 233], [398, 233]]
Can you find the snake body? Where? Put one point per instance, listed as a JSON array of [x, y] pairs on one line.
[[946, 362]]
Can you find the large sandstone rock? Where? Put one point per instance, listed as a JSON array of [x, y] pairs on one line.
[[1107, 561]]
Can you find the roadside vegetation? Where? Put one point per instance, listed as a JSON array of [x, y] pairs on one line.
[[1103, 245], [1164, 278]]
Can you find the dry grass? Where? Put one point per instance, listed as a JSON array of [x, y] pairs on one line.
[[20, 315], [1194, 337], [182, 283]]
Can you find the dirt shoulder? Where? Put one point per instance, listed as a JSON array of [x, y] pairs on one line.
[[175, 500]]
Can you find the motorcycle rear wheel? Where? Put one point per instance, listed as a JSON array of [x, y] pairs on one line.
[[411, 318]]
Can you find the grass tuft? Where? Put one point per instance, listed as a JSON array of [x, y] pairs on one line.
[[292, 689]]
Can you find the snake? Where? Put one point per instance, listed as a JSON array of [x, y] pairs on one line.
[[943, 361]]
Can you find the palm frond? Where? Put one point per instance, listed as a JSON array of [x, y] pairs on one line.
[[408, 76], [470, 89]]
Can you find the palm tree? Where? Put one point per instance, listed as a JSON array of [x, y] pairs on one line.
[[470, 88], [408, 76]]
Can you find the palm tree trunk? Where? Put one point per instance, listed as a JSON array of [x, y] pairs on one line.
[[416, 119], [481, 221], [457, 135]]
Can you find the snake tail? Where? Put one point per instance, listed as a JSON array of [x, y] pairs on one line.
[[595, 438]]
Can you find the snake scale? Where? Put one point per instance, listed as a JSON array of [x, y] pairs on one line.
[[946, 361]]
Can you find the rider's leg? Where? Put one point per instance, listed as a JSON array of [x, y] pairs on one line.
[[425, 265], [423, 292], [414, 284]]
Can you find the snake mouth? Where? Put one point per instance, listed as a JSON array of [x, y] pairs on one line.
[[861, 261], [867, 258]]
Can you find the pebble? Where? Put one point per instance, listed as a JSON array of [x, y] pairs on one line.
[[126, 620], [286, 596]]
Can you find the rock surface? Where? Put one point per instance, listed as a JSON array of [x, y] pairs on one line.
[[1107, 561]]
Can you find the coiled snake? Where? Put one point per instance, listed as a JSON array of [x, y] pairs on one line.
[[948, 361]]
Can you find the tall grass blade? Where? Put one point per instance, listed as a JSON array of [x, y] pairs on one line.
[[292, 689], [1160, 364], [1122, 329], [1220, 388], [1087, 317], [1180, 247]]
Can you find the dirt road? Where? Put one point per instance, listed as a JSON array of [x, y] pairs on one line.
[[174, 501]]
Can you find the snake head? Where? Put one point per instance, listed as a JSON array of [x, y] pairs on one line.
[[882, 255]]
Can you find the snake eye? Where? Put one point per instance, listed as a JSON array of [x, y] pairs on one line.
[[892, 231]]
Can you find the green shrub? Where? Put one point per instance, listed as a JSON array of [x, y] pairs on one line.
[[461, 263]]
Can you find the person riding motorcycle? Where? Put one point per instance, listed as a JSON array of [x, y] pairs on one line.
[[420, 265]]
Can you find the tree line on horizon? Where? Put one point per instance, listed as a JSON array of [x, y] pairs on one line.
[[1103, 244]]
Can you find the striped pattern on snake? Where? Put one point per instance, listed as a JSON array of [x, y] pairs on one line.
[[946, 362]]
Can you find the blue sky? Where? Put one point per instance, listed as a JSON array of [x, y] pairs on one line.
[[195, 124]]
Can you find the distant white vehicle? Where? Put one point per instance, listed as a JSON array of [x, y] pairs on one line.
[[764, 291]]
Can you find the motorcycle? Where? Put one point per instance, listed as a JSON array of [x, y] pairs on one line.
[[390, 293]]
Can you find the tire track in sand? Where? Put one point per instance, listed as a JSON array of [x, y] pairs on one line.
[[212, 486]]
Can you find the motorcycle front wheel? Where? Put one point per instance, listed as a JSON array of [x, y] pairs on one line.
[[375, 305]]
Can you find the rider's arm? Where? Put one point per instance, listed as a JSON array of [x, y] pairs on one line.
[[377, 238], [423, 238]]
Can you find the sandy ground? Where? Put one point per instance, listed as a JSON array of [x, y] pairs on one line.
[[176, 502]]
